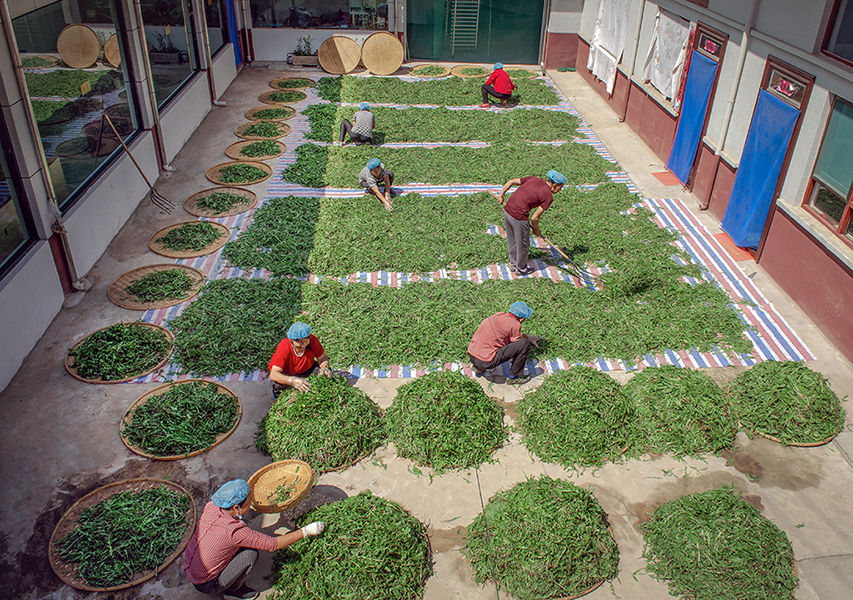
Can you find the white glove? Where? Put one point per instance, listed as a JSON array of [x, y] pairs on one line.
[[315, 528]]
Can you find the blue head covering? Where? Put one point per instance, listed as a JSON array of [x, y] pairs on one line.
[[521, 310], [364, 106], [557, 177], [498, 66], [233, 492], [298, 331], [373, 163]]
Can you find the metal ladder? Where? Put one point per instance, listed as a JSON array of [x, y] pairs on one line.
[[464, 16]]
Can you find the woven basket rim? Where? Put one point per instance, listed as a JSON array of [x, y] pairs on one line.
[[168, 334], [72, 514], [457, 71], [249, 114], [209, 249], [302, 87], [290, 503], [265, 97], [444, 74], [118, 296], [213, 172], [233, 151], [127, 419], [284, 128], [191, 207]]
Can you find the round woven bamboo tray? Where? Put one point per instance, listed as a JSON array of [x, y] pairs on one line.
[[382, 53], [283, 129], [73, 371], [274, 84], [213, 173], [111, 53], [444, 71], [78, 146], [119, 296], [191, 203], [263, 484], [159, 391], [233, 151], [266, 97], [78, 46], [339, 55], [457, 71], [51, 59], [250, 114], [160, 249], [67, 572]]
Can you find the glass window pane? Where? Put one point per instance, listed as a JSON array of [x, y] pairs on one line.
[[321, 14], [828, 203], [833, 162], [841, 39], [171, 50], [216, 33], [13, 232], [69, 104]]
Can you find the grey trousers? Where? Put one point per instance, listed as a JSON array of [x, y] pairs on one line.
[[233, 575], [517, 241]]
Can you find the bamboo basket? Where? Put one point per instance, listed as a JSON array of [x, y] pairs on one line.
[[233, 151], [264, 482], [78, 46], [458, 71], [250, 114], [339, 55], [382, 53], [213, 173], [444, 73], [111, 53], [266, 97], [191, 203], [119, 296], [283, 129], [274, 84], [69, 366], [159, 248]]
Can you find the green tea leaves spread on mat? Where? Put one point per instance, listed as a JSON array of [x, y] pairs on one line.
[[186, 418], [273, 113], [125, 534], [287, 97], [190, 236], [170, 284], [543, 538], [234, 325], [475, 71], [444, 420], [267, 129], [294, 83], [120, 351], [330, 426], [787, 401], [579, 418], [715, 546], [683, 412], [241, 173], [220, 202], [429, 70], [65, 83], [371, 548], [261, 148]]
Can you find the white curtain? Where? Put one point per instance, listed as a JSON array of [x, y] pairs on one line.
[[665, 60], [608, 40]]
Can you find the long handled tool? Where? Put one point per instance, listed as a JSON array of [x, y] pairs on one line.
[[581, 273], [159, 200]]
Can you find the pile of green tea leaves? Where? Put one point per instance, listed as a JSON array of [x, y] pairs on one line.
[[241, 173], [261, 148], [170, 284], [126, 534], [34, 62], [682, 411], [286, 96], [234, 325], [788, 401], [444, 420], [279, 237], [579, 418], [63, 83], [283, 112], [453, 91], [330, 426], [120, 351], [220, 202], [543, 538], [715, 546], [44, 109], [475, 72], [266, 129], [412, 124], [320, 166], [520, 73], [371, 548], [190, 236], [295, 83], [429, 70], [186, 418]]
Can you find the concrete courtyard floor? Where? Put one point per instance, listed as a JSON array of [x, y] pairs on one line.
[[60, 436]]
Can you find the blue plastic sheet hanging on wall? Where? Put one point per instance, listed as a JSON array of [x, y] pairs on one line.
[[758, 173], [233, 32], [697, 91]]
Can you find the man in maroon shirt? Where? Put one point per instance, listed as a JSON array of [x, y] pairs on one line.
[[532, 193], [499, 339]]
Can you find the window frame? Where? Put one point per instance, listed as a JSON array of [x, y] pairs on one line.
[[14, 180], [827, 34]]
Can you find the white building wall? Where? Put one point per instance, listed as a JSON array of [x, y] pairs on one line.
[[566, 16], [184, 114], [274, 44]]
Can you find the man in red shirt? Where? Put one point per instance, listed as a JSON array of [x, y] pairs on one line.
[[498, 85], [223, 549], [499, 339], [297, 357], [532, 193]]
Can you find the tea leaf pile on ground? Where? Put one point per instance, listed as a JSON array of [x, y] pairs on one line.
[[126, 534], [543, 538], [287, 97], [411, 124], [161, 285], [120, 351], [371, 548], [220, 202], [520, 74], [788, 401], [241, 173], [186, 418], [279, 238], [429, 70], [332, 425], [715, 546], [579, 418], [234, 325], [295, 83], [475, 71], [273, 113], [34, 62], [267, 129], [444, 420], [262, 148], [190, 236], [682, 412]]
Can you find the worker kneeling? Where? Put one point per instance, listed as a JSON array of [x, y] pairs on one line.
[[223, 549], [499, 339], [297, 357]]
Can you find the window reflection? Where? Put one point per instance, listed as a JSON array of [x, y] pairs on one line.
[[215, 25], [13, 232], [321, 14], [171, 50]]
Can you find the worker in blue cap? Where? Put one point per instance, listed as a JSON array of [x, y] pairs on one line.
[[533, 194], [499, 339], [360, 130], [372, 175], [498, 85], [297, 356], [223, 549]]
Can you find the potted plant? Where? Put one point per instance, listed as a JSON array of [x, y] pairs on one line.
[[303, 56], [164, 50]]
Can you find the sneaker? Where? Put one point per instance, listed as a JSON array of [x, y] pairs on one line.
[[518, 380], [527, 271], [484, 106], [503, 102], [243, 593]]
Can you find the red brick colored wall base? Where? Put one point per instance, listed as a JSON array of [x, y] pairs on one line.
[[61, 264], [705, 175], [654, 124], [561, 50], [620, 88], [723, 184]]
